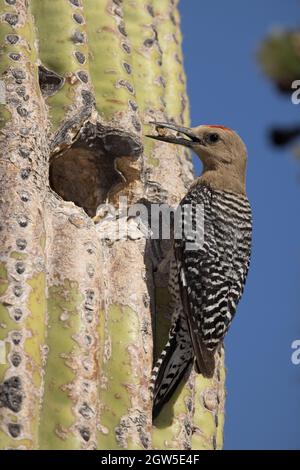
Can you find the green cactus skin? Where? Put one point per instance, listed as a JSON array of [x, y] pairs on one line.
[[23, 296], [117, 370], [63, 302], [70, 404], [169, 431], [168, 28], [146, 62], [17, 42], [58, 51], [110, 63], [208, 418]]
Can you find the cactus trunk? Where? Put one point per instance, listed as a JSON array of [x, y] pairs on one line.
[[83, 311]]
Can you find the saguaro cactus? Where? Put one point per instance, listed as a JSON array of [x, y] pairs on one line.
[[78, 304]]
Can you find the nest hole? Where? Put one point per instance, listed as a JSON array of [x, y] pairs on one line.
[[50, 82], [85, 172]]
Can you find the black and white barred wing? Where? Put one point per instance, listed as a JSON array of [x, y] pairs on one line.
[[192, 252], [191, 305]]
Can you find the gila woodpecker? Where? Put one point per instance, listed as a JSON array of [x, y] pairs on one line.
[[206, 281]]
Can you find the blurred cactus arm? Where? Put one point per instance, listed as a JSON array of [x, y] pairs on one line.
[[279, 58]]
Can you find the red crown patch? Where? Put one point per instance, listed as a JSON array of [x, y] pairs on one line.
[[220, 127]]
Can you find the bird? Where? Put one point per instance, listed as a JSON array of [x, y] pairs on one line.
[[207, 273]]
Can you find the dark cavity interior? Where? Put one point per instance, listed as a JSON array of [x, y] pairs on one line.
[[50, 82]]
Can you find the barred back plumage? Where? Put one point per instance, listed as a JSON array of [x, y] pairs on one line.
[[206, 284]]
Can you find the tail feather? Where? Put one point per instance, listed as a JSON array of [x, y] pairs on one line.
[[170, 368]]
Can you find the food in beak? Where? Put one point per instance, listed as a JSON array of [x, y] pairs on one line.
[[164, 135]]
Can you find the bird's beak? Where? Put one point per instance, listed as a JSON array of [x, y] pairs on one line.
[[190, 142]]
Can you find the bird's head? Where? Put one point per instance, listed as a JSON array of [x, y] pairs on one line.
[[219, 148]]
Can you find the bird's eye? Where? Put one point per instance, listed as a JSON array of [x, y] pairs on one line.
[[213, 138]]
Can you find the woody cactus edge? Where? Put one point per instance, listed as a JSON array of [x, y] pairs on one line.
[[80, 309]]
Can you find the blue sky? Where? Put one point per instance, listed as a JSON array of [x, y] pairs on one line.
[[226, 86]]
